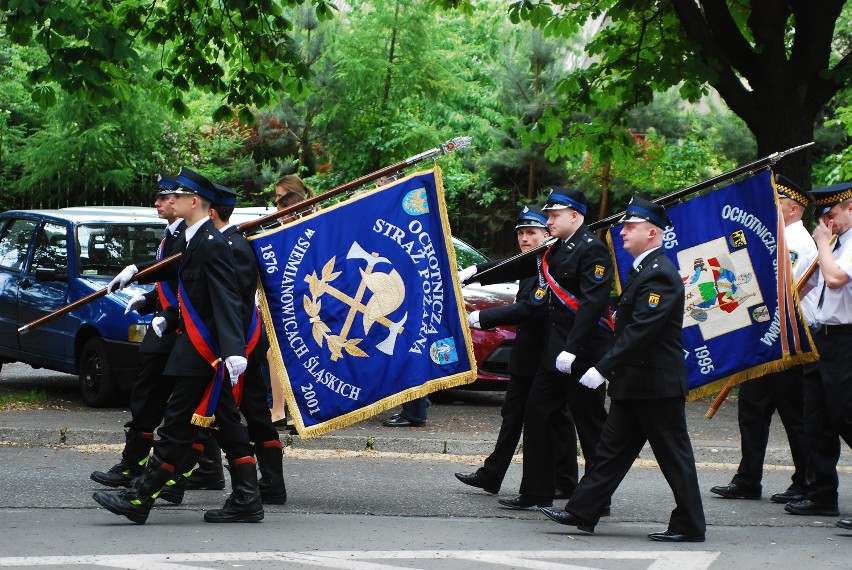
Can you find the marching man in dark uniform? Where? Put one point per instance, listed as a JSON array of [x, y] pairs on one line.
[[828, 395], [781, 391], [529, 314], [208, 352], [647, 387], [252, 402], [578, 274], [151, 390]]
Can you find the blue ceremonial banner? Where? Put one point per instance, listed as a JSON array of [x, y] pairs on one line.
[[362, 305], [741, 318]]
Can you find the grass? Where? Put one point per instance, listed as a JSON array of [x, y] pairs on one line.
[[22, 400]]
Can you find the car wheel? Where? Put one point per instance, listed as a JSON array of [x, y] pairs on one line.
[[97, 382]]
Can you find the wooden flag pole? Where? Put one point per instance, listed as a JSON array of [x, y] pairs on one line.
[[449, 146]]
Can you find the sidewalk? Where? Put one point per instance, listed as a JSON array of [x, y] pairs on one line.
[[460, 423]]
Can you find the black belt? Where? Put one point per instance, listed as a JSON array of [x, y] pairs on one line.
[[832, 329]]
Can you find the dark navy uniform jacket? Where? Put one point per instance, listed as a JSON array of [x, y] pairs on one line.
[[646, 360], [583, 267], [529, 317], [207, 272]]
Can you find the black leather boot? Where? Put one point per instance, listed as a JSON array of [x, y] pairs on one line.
[[209, 474], [137, 446], [244, 504], [135, 503], [270, 465], [174, 488]]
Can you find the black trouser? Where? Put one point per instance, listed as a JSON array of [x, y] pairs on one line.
[[662, 423], [565, 439], [828, 412], [253, 407], [150, 393], [550, 392], [758, 400], [177, 434]]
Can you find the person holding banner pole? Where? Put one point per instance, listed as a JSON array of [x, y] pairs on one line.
[[647, 386], [783, 391], [828, 395], [151, 390], [209, 352], [529, 316], [578, 272]]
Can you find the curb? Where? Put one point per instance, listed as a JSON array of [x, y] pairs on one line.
[[710, 452]]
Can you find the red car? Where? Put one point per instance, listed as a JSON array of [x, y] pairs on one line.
[[490, 347]]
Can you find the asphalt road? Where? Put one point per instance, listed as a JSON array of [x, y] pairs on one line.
[[399, 507]]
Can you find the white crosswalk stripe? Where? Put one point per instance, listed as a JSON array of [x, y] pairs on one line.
[[383, 559]]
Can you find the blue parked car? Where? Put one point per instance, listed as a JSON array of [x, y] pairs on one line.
[[51, 258]]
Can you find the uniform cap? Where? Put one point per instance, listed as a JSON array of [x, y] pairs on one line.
[[191, 182], [786, 188], [224, 196], [531, 217], [166, 184], [642, 210], [830, 196], [561, 198]]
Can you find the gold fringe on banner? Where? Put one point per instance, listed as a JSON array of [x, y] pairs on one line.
[[756, 372], [395, 399]]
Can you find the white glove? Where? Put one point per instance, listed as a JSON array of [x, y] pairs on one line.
[[467, 273], [159, 326], [473, 319], [564, 360], [236, 365], [122, 279], [592, 378], [134, 303]]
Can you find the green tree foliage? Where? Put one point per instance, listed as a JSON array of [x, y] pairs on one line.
[[89, 155], [770, 60], [390, 69], [239, 50]]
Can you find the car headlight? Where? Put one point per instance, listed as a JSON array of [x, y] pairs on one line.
[[135, 333]]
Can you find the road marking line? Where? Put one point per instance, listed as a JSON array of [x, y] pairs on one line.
[[360, 559]]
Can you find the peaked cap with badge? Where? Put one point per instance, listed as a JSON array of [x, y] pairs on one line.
[[642, 210], [531, 217], [166, 184], [561, 198], [828, 197], [191, 182]]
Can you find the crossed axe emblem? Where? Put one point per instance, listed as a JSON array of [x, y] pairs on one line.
[[388, 293]]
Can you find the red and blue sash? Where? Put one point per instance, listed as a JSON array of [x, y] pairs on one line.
[[205, 344], [569, 300]]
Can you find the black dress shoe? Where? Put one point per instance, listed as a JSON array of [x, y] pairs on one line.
[[561, 494], [476, 479], [808, 507], [844, 523], [789, 496], [736, 491], [669, 536], [401, 422], [564, 517], [525, 502]]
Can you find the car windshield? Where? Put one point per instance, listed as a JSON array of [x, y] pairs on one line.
[[105, 249], [466, 255]]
